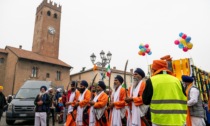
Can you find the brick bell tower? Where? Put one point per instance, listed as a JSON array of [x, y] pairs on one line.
[[47, 29]]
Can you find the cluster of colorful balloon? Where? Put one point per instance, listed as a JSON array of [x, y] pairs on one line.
[[184, 42], [144, 49]]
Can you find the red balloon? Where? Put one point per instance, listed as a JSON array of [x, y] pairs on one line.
[[147, 50], [176, 42], [185, 49], [184, 36], [146, 45]]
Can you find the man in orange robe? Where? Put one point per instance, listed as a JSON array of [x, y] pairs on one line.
[[83, 101], [135, 98], [71, 99], [98, 113], [117, 105]]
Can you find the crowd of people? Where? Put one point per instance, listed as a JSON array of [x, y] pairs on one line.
[[159, 100]]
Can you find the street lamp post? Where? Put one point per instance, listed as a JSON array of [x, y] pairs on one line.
[[105, 59]]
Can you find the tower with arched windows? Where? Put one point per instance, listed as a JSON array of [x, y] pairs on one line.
[[42, 63], [47, 29]]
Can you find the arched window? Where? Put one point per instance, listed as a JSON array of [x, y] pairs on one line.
[[47, 75], [34, 72], [1, 60], [58, 76], [48, 13], [55, 16]]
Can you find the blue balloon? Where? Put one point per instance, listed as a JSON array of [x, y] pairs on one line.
[[181, 46], [188, 39], [141, 46], [143, 49], [180, 34], [150, 53]]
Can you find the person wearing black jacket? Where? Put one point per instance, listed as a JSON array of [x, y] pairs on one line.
[[2, 101], [41, 102]]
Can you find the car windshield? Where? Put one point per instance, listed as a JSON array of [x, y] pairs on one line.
[[27, 93]]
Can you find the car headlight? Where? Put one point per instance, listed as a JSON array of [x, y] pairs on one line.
[[10, 107]]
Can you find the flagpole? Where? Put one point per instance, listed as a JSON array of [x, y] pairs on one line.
[[109, 83], [109, 73], [109, 96]]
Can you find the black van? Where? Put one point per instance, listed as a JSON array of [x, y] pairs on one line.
[[22, 106]]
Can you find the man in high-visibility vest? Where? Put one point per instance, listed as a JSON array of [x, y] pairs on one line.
[[165, 95]]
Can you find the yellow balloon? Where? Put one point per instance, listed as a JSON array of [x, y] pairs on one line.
[[142, 44], [189, 45], [183, 42]]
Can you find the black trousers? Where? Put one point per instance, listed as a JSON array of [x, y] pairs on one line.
[[1, 112], [52, 111]]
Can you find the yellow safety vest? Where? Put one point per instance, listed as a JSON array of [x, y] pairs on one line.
[[168, 104]]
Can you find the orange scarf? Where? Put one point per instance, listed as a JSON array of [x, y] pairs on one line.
[[188, 119]]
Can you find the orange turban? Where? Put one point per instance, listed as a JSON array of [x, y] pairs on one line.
[[1, 87], [167, 58], [159, 64]]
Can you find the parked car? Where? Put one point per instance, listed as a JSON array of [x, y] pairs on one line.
[[22, 105]]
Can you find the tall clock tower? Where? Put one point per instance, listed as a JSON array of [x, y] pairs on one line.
[[47, 29]]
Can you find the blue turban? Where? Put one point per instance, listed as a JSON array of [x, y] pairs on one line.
[[102, 85], [186, 78], [74, 83], [140, 72], [84, 83], [45, 88], [119, 78]]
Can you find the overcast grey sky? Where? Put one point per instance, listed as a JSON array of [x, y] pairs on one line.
[[118, 26]]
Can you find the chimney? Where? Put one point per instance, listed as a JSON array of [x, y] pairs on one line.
[[20, 46], [131, 70], [114, 68]]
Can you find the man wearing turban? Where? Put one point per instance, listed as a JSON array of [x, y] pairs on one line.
[[98, 113], [51, 105], [117, 104], [2, 101], [72, 98], [41, 102], [165, 95], [58, 96], [82, 103], [195, 111], [134, 99]]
